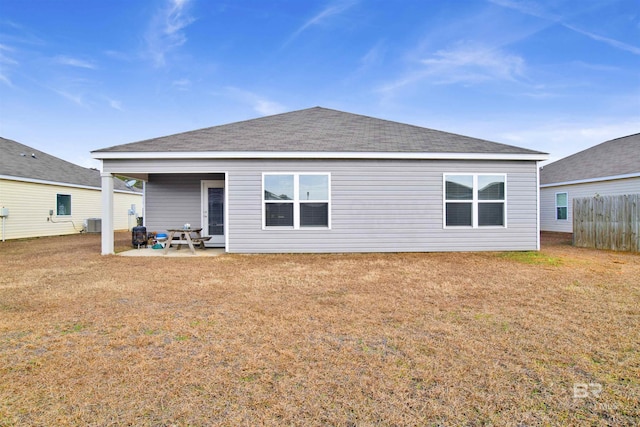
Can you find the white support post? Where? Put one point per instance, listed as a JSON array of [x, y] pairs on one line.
[[107, 214], [538, 205]]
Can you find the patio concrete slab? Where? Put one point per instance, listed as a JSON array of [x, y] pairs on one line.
[[173, 253]]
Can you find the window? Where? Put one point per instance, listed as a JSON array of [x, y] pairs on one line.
[[561, 205], [63, 204], [474, 200], [296, 200]]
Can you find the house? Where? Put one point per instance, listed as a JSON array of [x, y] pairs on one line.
[[608, 169], [321, 180], [47, 196]]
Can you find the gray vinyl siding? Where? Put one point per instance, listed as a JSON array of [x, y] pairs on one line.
[[548, 221], [376, 205], [174, 199]]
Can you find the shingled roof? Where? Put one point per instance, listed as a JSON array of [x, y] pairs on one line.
[[317, 130], [19, 161], [620, 156]]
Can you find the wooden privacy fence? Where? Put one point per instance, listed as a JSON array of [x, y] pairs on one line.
[[607, 222]]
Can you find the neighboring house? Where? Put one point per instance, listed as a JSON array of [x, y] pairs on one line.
[[320, 180], [608, 169], [47, 196]]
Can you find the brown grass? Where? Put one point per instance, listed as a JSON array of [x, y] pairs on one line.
[[345, 340]]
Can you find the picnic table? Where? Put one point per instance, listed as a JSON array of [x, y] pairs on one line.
[[185, 236]]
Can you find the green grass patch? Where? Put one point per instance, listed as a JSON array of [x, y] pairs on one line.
[[76, 327], [532, 257]]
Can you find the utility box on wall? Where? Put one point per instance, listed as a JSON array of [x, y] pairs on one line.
[[94, 225], [4, 212]]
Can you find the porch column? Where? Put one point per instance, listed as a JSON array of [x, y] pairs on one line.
[[107, 214], [537, 205]]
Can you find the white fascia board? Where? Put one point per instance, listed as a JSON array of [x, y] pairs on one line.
[[588, 180], [314, 155], [59, 184]]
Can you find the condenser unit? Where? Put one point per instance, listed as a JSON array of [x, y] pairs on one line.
[[94, 225]]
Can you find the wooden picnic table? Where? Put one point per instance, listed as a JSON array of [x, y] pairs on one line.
[[185, 238]]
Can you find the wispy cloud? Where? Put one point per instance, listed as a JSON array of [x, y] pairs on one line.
[[611, 42], [166, 30], [19, 34], [466, 63], [533, 8], [540, 94], [563, 138], [118, 55], [527, 7], [260, 104], [6, 61], [5, 79], [373, 56], [74, 62], [474, 62], [267, 108], [76, 98], [4, 57], [181, 84], [87, 98], [597, 67], [116, 105], [333, 9], [84, 94]]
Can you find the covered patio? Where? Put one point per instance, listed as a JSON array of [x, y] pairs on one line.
[[171, 201]]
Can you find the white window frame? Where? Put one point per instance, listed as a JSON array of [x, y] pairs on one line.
[[565, 206], [474, 201], [296, 202], [58, 206]]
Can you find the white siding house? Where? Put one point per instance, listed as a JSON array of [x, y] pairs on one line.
[[47, 196], [320, 180], [607, 169]]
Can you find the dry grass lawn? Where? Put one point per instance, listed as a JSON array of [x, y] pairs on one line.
[[513, 339]]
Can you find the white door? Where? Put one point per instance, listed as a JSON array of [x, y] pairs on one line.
[[213, 212]]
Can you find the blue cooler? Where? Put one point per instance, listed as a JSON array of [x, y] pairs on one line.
[[162, 238]]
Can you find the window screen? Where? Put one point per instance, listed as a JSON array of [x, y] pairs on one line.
[[278, 214]]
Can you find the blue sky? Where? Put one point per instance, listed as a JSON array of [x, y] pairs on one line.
[[553, 75]]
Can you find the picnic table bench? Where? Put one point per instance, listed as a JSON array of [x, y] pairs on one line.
[[183, 236], [200, 241]]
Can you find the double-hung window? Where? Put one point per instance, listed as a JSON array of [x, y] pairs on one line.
[[475, 200], [561, 206], [296, 200]]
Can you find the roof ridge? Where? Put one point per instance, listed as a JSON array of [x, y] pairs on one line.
[[43, 153], [309, 129], [615, 157], [593, 147], [215, 126], [620, 137], [46, 167]]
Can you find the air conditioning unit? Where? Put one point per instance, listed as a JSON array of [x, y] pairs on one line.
[[94, 225]]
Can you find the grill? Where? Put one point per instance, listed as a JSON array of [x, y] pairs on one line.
[[139, 236]]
